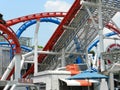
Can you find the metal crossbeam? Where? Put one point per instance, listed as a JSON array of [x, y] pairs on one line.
[[83, 27]]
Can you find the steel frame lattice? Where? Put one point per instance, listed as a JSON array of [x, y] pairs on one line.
[[82, 27]]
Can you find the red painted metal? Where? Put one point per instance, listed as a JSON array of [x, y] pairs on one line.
[[70, 15], [30, 71], [27, 18], [112, 27], [35, 16], [13, 37], [8, 78]]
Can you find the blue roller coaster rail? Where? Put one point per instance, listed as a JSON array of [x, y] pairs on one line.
[[55, 21]]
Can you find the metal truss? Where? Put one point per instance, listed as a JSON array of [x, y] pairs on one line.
[[84, 26]]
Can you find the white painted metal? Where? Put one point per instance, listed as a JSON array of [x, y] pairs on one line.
[[111, 81], [51, 78], [45, 52], [28, 54], [112, 38], [9, 68], [104, 85], [29, 62], [17, 66], [69, 28], [78, 23], [70, 82], [15, 62], [61, 68], [49, 52], [13, 87], [63, 58], [36, 47], [6, 87], [76, 83], [101, 46]]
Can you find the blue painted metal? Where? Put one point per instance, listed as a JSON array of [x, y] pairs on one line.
[[56, 21], [88, 74], [31, 22], [94, 43]]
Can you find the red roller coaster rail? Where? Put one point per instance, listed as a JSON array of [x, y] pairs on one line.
[[31, 17], [35, 16], [67, 18], [70, 15]]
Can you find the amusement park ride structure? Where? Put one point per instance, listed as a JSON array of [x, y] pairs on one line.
[[79, 27]]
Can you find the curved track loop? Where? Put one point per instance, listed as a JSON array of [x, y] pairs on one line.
[[30, 17], [31, 22], [94, 43], [70, 15], [59, 31], [26, 25], [11, 37], [109, 26], [35, 16]]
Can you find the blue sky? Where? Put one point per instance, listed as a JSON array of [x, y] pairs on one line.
[[17, 8]]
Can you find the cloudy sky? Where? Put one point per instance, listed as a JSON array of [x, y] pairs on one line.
[[17, 8]]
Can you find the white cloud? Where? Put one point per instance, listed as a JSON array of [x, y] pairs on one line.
[[56, 5]]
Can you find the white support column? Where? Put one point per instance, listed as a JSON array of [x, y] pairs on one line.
[[36, 47], [63, 58], [111, 81], [97, 57], [17, 66], [101, 45]]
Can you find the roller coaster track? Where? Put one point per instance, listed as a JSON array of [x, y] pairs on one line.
[[78, 19], [31, 22], [9, 34], [25, 26], [81, 28], [67, 19], [26, 18], [35, 16], [94, 43], [113, 28], [43, 15]]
